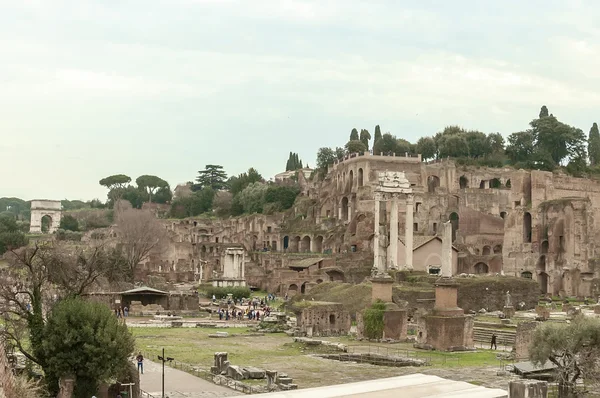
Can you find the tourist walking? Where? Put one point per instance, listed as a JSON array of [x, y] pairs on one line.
[[493, 345], [140, 361]]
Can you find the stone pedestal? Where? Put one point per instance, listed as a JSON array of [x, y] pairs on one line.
[[446, 328], [381, 289], [509, 311], [394, 323], [597, 309]]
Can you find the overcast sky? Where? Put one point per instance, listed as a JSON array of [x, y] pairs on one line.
[[164, 87]]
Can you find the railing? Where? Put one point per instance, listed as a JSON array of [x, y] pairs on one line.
[[145, 394], [204, 374]]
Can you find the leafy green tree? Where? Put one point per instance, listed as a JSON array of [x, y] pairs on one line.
[[574, 348], [11, 237], [115, 184], [365, 136], [252, 197], [280, 197], [73, 204], [495, 142], [377, 134], [213, 176], [237, 184], [426, 147], [520, 146], [477, 143], [133, 195], [69, 223], [327, 156], [403, 147], [355, 146], [388, 144], [453, 145], [558, 139], [18, 207], [163, 195], [543, 112], [84, 339], [594, 145], [354, 135], [193, 205], [150, 184]]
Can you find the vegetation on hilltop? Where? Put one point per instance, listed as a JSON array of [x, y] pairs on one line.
[[546, 145]]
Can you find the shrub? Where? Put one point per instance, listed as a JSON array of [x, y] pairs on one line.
[[373, 320], [62, 234], [222, 292]]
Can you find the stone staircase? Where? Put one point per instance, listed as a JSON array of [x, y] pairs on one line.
[[505, 337]]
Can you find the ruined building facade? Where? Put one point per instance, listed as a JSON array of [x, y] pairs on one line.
[[531, 224]]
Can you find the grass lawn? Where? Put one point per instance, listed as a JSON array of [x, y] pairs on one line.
[[276, 351]]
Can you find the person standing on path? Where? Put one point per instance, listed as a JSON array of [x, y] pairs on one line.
[[493, 345], [140, 361]]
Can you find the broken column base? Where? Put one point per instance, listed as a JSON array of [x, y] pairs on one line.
[[527, 389]]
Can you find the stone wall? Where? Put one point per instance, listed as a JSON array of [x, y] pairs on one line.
[[490, 293], [324, 319], [7, 379]]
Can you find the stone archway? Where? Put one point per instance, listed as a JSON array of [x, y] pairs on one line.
[[318, 244], [345, 206], [292, 289], [463, 182], [50, 211], [487, 250], [360, 177], [305, 244], [432, 183], [543, 281], [481, 268]]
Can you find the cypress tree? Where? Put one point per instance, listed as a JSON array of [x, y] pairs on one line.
[[354, 135], [594, 145], [543, 112], [377, 135]]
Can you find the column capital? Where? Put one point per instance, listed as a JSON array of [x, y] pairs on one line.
[[378, 196], [410, 198]]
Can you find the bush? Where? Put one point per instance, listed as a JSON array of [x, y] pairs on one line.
[[373, 320], [62, 234], [222, 292]]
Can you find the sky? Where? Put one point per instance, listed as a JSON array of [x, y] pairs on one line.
[[94, 88]]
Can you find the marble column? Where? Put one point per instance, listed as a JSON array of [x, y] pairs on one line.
[[408, 236], [376, 259], [242, 263], [393, 252], [447, 249]]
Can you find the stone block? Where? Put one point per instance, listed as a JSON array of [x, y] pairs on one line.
[[394, 324], [284, 380], [253, 373], [597, 309], [381, 289], [508, 311], [527, 389], [235, 372]]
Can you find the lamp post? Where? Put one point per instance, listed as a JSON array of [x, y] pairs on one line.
[[163, 359]]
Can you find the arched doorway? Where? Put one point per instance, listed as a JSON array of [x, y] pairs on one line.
[[541, 264], [286, 242], [46, 224], [292, 289], [497, 249], [331, 319], [360, 177], [303, 288], [305, 246], [487, 250], [318, 244], [319, 281], [495, 183], [503, 215], [527, 228], [295, 244], [335, 276], [508, 184], [481, 268], [463, 182], [344, 208], [526, 275], [544, 248], [455, 224], [543, 281], [351, 177], [432, 183]]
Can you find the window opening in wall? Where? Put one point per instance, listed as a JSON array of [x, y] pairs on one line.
[[195, 223], [508, 183], [526, 275], [435, 228], [495, 183], [328, 213], [416, 227], [434, 269], [517, 203], [561, 242], [527, 228], [417, 206], [463, 182], [353, 248], [503, 214], [217, 239], [482, 184], [332, 319], [268, 230]]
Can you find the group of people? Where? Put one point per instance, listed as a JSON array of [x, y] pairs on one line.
[[256, 309], [122, 312]]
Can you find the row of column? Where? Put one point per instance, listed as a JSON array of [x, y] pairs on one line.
[[408, 234]]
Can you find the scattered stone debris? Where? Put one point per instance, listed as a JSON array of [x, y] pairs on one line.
[[308, 341], [375, 359]]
